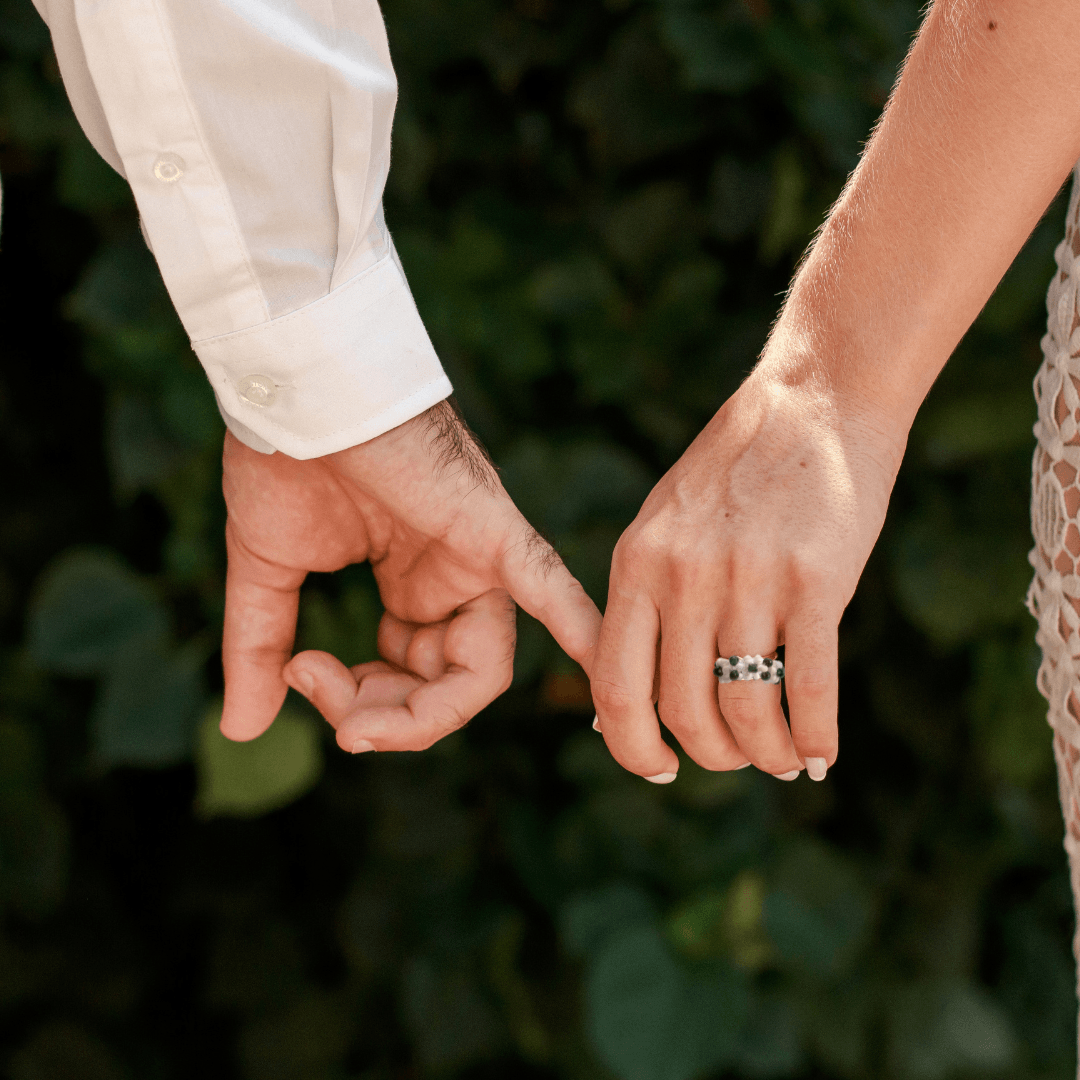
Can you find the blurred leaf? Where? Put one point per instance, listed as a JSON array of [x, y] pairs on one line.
[[347, 629], [629, 104], [738, 197], [954, 584], [370, 924], [22, 30], [21, 758], [939, 1029], [535, 646], [785, 225], [561, 488], [255, 964], [772, 1043], [61, 1050], [588, 919], [146, 710], [1008, 713], [716, 53], [33, 853], [574, 286], [841, 1025], [839, 121], [140, 454], [35, 114], [986, 423], [299, 1042], [451, 1023], [818, 913], [640, 227], [88, 605], [85, 181], [189, 409], [715, 924], [252, 778], [1038, 986], [121, 291], [650, 1018]]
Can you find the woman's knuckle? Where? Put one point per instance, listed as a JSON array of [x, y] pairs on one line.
[[610, 695], [810, 682], [740, 709], [810, 576], [678, 714]]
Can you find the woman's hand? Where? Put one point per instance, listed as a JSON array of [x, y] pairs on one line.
[[450, 552], [755, 538], [759, 533]]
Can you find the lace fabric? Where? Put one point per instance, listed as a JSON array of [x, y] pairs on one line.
[[1054, 596]]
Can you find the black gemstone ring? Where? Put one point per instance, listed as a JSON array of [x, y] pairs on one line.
[[748, 668]]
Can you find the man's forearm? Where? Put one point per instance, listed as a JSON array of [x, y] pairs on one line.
[[980, 133]]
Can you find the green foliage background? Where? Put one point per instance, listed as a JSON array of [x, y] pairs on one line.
[[598, 205]]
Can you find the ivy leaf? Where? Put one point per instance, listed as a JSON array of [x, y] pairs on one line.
[[88, 605], [941, 1028], [819, 913], [145, 713], [252, 778], [652, 1018], [589, 918]]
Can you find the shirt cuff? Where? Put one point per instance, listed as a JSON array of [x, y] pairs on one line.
[[338, 372]]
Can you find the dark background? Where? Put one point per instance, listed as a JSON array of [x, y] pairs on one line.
[[599, 205]]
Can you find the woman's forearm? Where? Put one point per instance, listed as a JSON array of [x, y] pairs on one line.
[[979, 135]]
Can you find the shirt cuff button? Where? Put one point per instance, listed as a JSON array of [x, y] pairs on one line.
[[258, 390]]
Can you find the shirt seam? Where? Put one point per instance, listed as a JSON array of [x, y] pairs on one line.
[[166, 35]]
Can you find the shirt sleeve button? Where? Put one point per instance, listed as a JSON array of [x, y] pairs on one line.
[[169, 168], [258, 390]]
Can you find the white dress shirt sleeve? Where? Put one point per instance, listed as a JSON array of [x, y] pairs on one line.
[[255, 135]]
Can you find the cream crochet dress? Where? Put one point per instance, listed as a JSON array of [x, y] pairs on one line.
[[1054, 596]]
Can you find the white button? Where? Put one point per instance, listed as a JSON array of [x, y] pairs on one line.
[[258, 389], [169, 168]]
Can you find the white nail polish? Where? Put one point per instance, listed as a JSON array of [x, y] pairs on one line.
[[662, 778], [816, 768], [787, 775], [596, 723], [745, 765], [362, 746]]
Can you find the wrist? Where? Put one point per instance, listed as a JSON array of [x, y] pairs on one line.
[[844, 339], [833, 384]]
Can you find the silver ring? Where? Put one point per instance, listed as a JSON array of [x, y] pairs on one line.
[[748, 668]]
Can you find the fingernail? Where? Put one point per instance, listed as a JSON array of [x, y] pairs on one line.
[[744, 765], [816, 768], [787, 775], [596, 723], [362, 746], [662, 778]]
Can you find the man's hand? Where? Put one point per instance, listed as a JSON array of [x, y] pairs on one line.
[[451, 555]]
